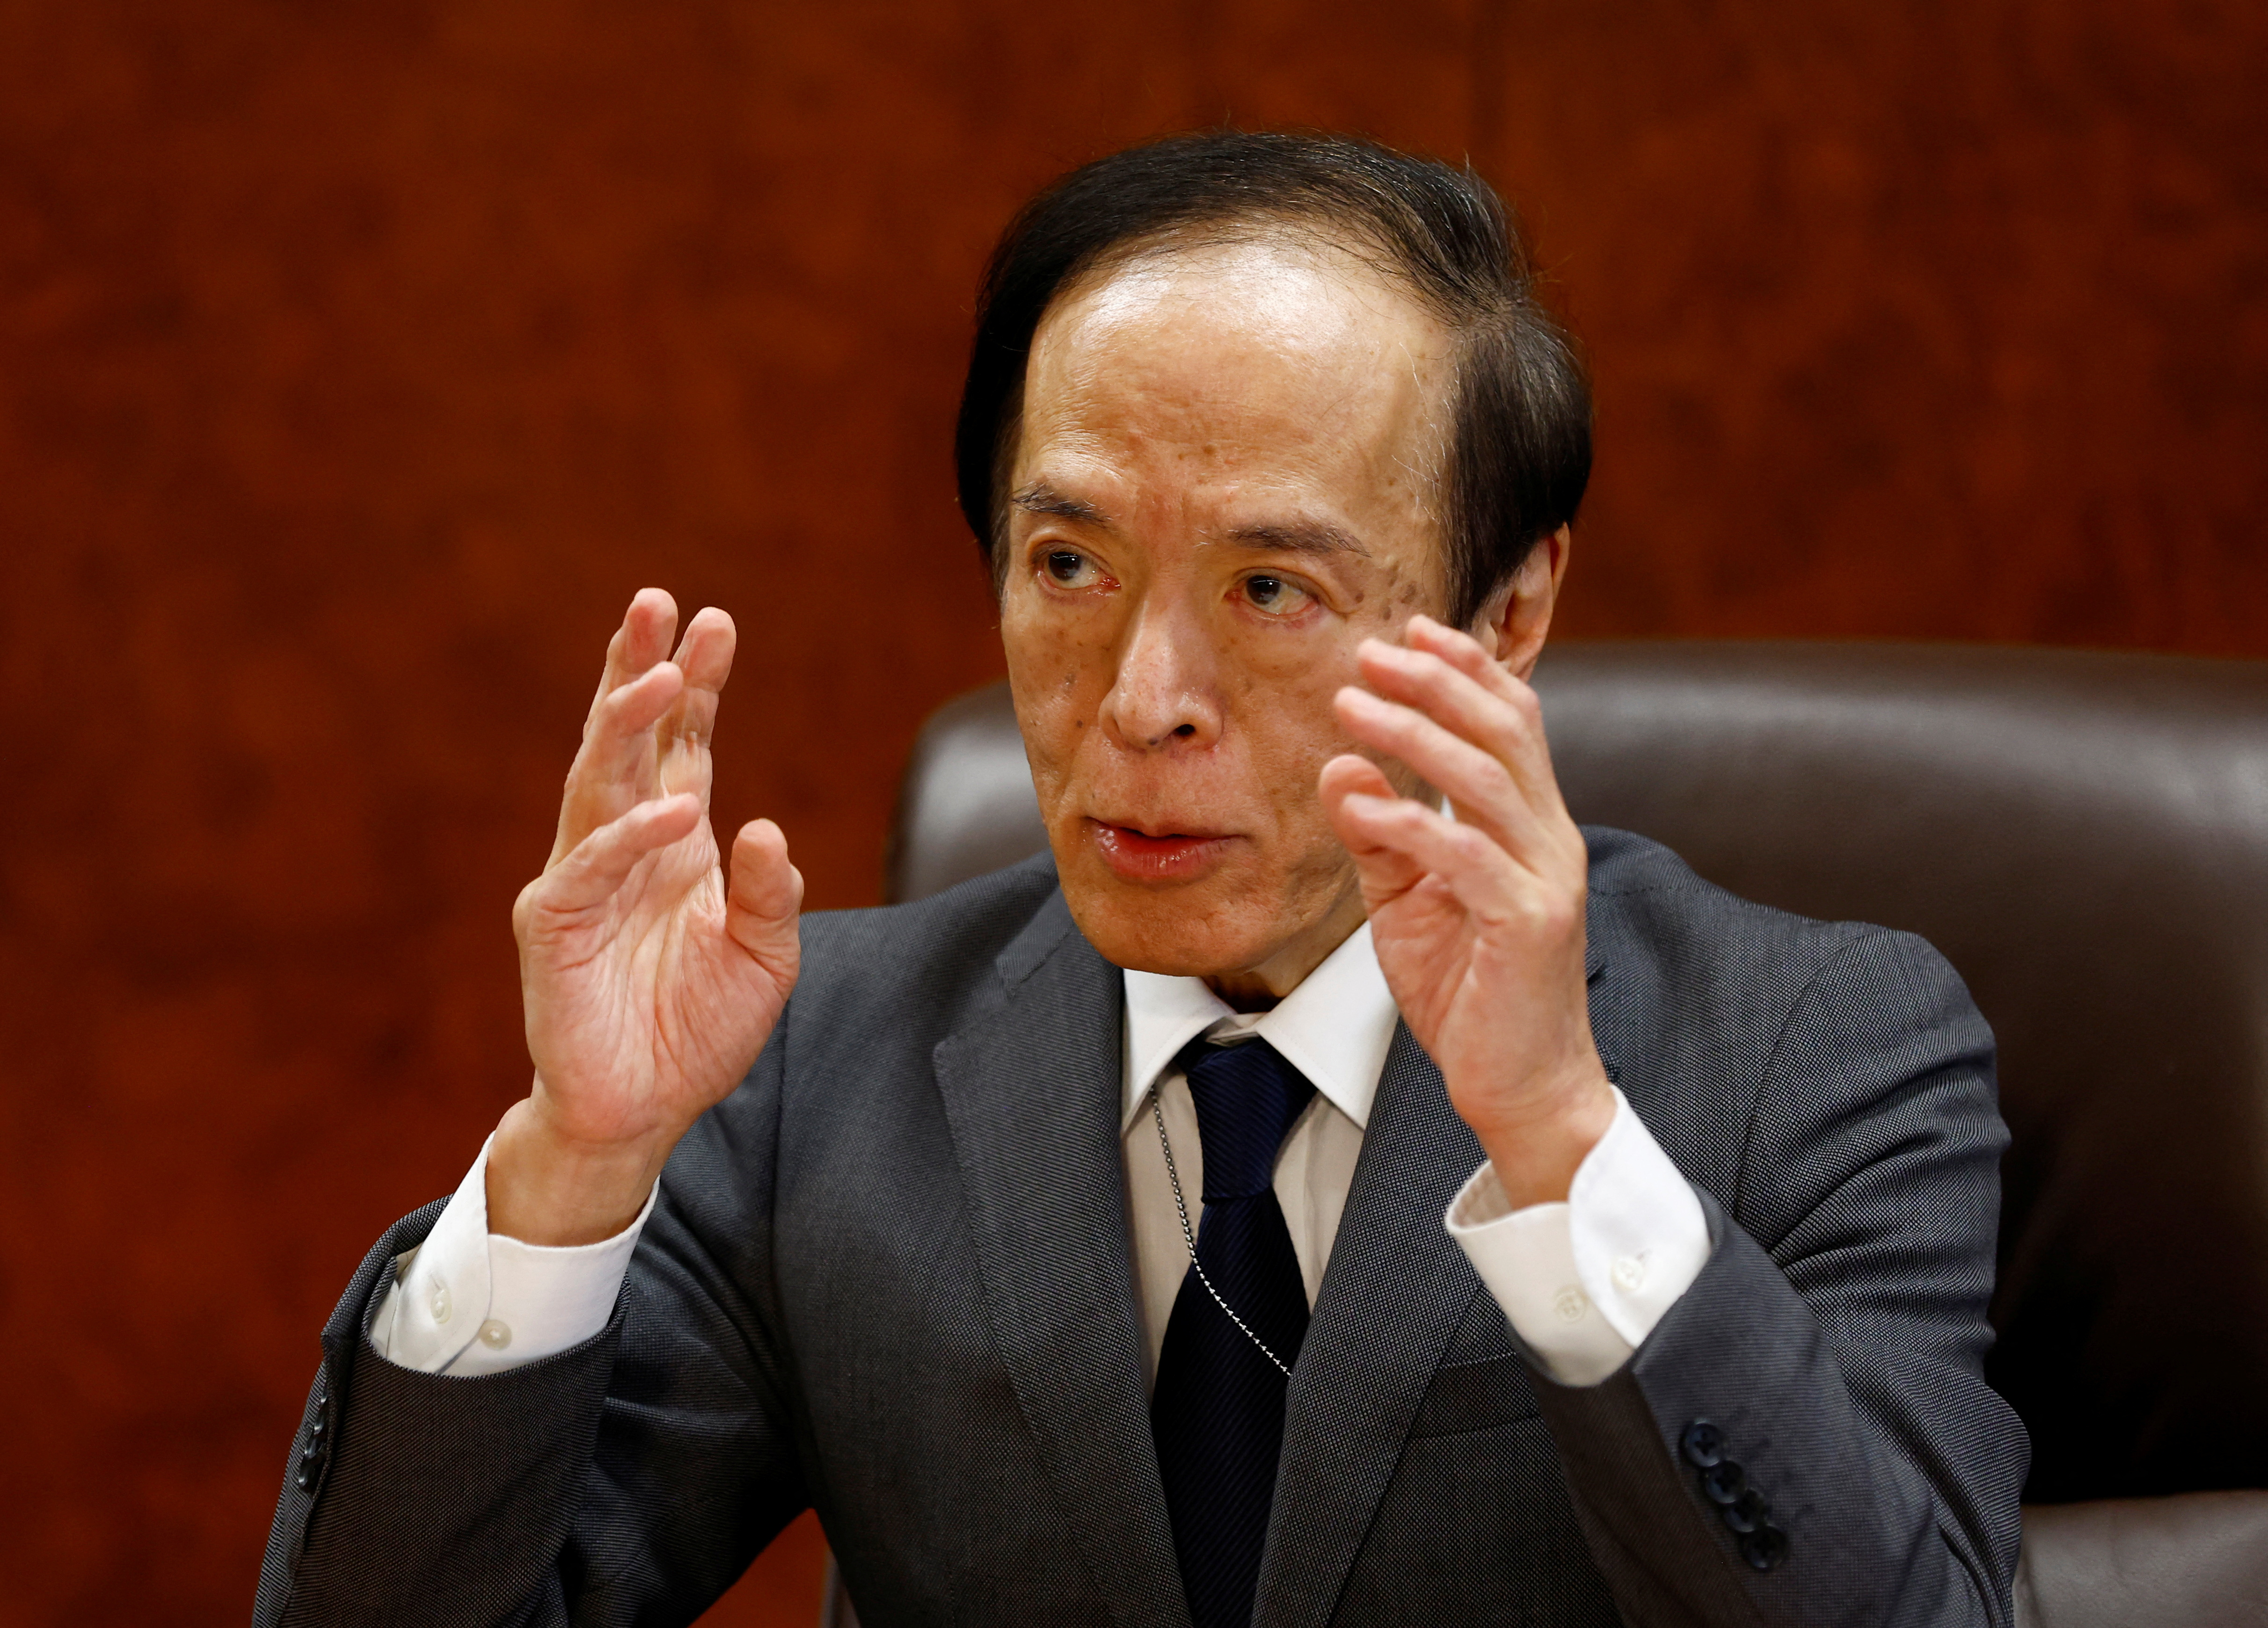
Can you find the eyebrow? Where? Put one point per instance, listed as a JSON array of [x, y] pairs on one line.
[[1041, 499], [1301, 537], [1292, 536]]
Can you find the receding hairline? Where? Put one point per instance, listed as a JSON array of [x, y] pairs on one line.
[[1325, 236]]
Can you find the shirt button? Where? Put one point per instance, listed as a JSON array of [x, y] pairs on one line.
[[439, 1302], [495, 1334], [1629, 1273], [1571, 1304]]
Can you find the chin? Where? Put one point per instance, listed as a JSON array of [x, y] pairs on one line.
[[1191, 932]]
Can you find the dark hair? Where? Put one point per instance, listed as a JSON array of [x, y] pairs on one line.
[[1520, 453]]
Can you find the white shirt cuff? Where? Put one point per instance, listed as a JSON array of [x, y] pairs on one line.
[[1585, 1281], [468, 1301]]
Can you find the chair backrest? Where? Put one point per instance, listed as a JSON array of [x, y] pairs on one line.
[[2084, 836]]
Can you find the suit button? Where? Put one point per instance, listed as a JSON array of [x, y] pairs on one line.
[[1723, 1481], [1764, 1548], [1747, 1512], [315, 1430], [305, 1480], [1704, 1444]]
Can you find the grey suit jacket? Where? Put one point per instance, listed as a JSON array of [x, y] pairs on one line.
[[890, 1278]]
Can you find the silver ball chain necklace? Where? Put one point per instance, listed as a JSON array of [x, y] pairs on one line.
[[1190, 1237]]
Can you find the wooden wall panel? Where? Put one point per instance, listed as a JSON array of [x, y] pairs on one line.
[[1932, 320], [357, 362]]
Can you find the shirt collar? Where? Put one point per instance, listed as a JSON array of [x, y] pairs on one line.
[[1335, 1028]]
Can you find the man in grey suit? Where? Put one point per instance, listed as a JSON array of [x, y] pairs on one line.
[[1329, 1187]]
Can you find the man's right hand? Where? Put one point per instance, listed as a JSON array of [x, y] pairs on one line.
[[649, 983]]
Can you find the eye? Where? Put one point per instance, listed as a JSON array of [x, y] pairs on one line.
[[1070, 569], [1275, 596]]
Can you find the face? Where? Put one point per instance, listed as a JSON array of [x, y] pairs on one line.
[[1225, 481]]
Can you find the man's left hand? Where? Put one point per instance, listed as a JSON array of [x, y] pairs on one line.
[[1478, 920]]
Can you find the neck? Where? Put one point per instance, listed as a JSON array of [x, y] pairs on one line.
[[1258, 988]]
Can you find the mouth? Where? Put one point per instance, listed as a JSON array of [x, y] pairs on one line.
[[1145, 856]]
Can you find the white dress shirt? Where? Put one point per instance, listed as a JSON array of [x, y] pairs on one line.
[[1583, 1282]]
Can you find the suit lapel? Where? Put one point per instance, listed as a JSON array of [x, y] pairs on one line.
[[1395, 1293], [1396, 1288], [1032, 1091]]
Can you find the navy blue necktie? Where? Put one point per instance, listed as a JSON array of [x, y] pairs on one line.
[[1218, 1412]]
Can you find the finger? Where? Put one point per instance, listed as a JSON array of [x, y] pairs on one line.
[[706, 658], [1487, 797], [594, 871], [1461, 688], [1384, 871], [1349, 773], [765, 893], [706, 651], [616, 767], [642, 640], [1479, 872], [1462, 650]]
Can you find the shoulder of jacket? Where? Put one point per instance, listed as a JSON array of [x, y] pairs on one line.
[[927, 949], [1647, 901]]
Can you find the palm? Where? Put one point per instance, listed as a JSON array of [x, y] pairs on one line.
[[1477, 992], [650, 984], [1424, 940]]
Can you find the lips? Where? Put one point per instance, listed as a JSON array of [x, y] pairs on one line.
[[1157, 856]]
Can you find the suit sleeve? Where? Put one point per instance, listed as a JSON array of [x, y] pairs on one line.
[[1806, 1437], [630, 1478]]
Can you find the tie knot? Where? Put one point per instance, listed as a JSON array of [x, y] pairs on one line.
[[1246, 1098]]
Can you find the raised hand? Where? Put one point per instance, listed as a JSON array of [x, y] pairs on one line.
[[1478, 919], [649, 983]]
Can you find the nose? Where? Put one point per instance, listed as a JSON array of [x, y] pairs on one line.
[[1164, 693]]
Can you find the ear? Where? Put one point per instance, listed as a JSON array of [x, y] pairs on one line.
[[1514, 622]]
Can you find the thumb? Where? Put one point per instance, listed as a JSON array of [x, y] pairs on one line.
[[764, 893]]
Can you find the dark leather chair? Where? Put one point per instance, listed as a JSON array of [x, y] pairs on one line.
[[2086, 836]]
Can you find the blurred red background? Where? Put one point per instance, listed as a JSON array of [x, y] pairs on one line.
[[356, 362]]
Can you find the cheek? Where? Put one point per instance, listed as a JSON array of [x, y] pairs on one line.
[[1290, 730], [1052, 671]]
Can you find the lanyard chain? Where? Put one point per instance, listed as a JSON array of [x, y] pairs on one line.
[[1191, 1238]]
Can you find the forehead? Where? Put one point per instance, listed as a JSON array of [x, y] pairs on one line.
[[1265, 361]]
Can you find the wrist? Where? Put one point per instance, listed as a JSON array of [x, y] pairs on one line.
[[552, 1189], [1535, 1154]]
